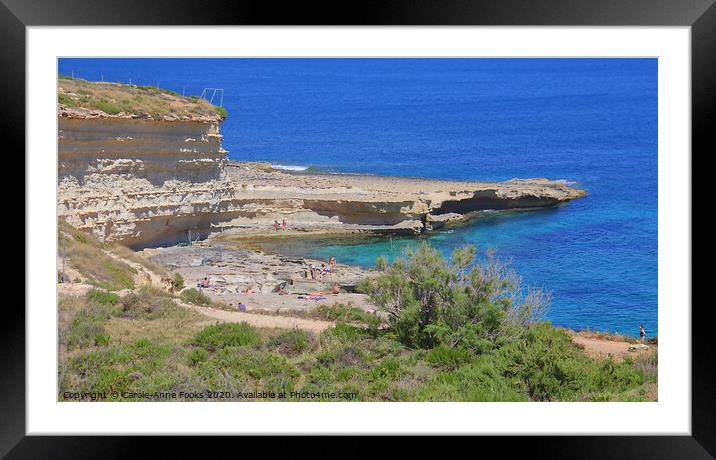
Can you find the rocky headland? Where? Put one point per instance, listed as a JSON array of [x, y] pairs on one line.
[[145, 167]]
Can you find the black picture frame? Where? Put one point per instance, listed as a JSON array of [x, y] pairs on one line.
[[700, 15]]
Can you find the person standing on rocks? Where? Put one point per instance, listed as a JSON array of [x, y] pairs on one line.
[[332, 263], [642, 333], [283, 225]]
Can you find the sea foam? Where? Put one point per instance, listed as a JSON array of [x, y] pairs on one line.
[[290, 167]]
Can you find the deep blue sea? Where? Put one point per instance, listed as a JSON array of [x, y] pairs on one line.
[[590, 121]]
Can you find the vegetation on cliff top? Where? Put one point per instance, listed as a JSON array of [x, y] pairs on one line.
[[117, 99]]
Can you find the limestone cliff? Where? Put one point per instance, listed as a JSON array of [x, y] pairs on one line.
[[140, 181], [152, 171]]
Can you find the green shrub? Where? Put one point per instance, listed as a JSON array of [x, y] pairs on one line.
[[195, 297], [198, 355], [107, 106], [87, 328], [554, 369], [384, 346], [149, 303], [178, 281], [648, 364], [293, 342], [239, 368], [478, 381], [222, 112], [432, 301], [345, 313], [343, 333], [219, 336], [444, 356], [135, 367], [103, 297], [340, 354], [389, 368], [66, 100]]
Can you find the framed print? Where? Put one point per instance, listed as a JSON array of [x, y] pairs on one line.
[[466, 219]]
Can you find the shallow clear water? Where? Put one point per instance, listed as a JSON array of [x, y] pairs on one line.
[[591, 121]]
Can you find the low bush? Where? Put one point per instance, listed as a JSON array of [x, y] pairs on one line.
[[87, 328], [66, 100], [198, 355], [242, 369], [554, 369], [223, 113], [389, 368], [178, 282], [149, 303], [340, 354], [293, 342], [195, 297], [648, 364], [451, 358], [342, 333], [110, 107], [219, 336], [103, 297], [350, 314], [478, 381], [141, 366]]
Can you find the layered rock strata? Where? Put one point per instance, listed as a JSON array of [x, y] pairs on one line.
[[150, 182]]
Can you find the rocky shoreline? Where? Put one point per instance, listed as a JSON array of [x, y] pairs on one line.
[[233, 269], [350, 203]]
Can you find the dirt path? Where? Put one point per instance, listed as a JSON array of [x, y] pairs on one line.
[[602, 348], [281, 322]]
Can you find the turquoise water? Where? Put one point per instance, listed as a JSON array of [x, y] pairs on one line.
[[588, 121]]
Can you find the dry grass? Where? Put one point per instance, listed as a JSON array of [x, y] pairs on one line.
[[606, 336], [143, 101], [86, 255], [67, 308], [175, 326], [94, 260], [150, 265]]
